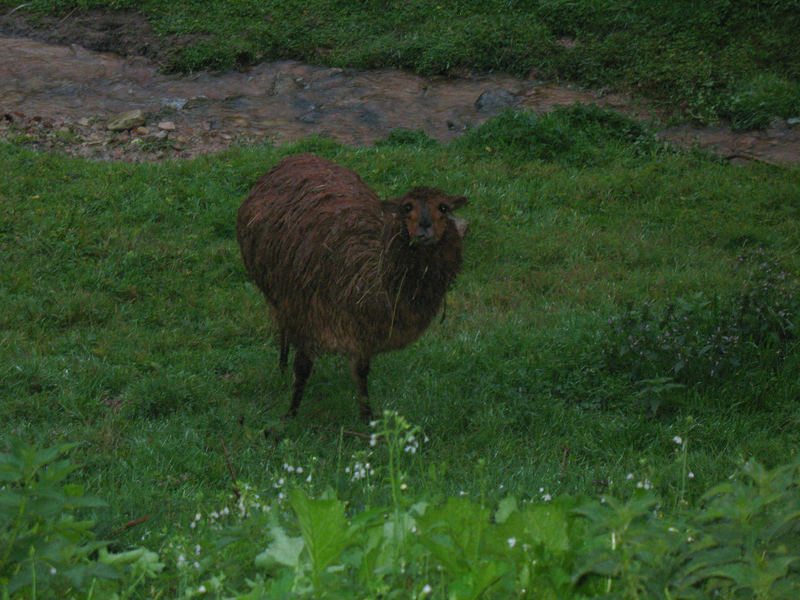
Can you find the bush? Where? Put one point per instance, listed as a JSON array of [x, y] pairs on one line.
[[698, 340]]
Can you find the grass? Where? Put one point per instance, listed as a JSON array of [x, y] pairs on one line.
[[729, 60], [128, 326]]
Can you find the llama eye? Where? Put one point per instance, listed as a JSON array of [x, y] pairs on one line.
[[408, 207], [443, 208]]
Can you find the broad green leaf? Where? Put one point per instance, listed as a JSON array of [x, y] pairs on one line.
[[324, 528], [505, 507], [463, 521], [541, 524], [283, 550]]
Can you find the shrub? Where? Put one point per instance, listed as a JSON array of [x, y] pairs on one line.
[[697, 340]]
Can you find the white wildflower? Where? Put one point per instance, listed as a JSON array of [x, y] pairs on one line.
[[426, 589], [678, 440], [511, 542]]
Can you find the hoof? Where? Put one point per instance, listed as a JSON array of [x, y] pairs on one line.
[[365, 413]]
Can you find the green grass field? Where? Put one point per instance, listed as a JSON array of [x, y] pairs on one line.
[[616, 295], [609, 409]]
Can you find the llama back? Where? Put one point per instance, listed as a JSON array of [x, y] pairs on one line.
[[311, 234]]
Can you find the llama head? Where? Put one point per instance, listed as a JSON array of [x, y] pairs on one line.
[[425, 213]]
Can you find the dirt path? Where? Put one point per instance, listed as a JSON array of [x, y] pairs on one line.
[[55, 94]]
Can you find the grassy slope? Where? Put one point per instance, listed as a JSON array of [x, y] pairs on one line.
[[128, 323], [724, 59]]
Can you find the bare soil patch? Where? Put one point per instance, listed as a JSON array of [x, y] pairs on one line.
[[63, 79]]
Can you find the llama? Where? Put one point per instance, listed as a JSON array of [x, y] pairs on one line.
[[343, 271]]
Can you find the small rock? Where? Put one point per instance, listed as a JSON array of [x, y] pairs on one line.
[[195, 101], [83, 122], [457, 125], [176, 103], [312, 117], [166, 126], [793, 122], [284, 84], [141, 130], [126, 120], [777, 123], [496, 100]]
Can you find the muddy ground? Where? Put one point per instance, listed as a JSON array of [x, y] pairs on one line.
[[63, 81]]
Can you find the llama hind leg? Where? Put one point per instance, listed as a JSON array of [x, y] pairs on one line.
[[283, 360], [302, 369], [360, 370]]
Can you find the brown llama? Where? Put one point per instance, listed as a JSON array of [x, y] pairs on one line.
[[343, 271]]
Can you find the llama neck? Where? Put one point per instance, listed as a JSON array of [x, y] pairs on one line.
[[420, 275]]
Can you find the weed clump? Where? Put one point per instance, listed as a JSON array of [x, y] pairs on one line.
[[407, 137], [761, 99], [698, 340], [578, 135]]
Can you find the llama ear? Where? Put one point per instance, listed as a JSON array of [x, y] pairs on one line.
[[457, 201], [461, 226]]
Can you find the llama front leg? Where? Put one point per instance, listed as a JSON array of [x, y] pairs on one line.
[[302, 369], [360, 370]]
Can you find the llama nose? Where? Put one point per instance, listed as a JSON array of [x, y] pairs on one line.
[[425, 235]]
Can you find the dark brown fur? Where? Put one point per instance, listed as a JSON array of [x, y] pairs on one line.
[[343, 271]]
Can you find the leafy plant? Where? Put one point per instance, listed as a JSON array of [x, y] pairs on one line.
[[45, 547], [741, 541], [697, 340]]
